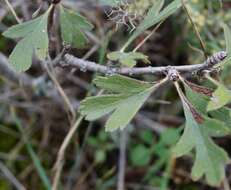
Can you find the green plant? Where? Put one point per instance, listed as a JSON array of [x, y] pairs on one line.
[[124, 96]]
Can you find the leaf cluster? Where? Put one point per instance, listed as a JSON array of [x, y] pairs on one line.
[[34, 36]]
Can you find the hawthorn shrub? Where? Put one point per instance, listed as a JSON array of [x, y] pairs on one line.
[[127, 79]]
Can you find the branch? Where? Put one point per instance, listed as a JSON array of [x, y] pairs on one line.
[[58, 167], [10, 177], [83, 65], [23, 79], [122, 161]]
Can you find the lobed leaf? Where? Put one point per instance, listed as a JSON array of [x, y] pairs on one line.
[[123, 105], [200, 99], [35, 40], [23, 29], [220, 97], [210, 159], [72, 27], [121, 84]]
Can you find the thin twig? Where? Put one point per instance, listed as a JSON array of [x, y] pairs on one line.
[[147, 37], [74, 173], [74, 62], [147, 122], [4, 11], [61, 92], [122, 160], [195, 28], [226, 183], [58, 167], [13, 11], [6, 172]]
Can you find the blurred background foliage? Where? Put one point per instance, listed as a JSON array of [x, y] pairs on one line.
[[33, 129]]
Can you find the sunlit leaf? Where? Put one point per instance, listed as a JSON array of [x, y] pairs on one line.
[[121, 84], [35, 40], [227, 39], [123, 104], [220, 97], [210, 158], [199, 96], [227, 60]]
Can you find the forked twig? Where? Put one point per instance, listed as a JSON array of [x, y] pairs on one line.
[[122, 161]]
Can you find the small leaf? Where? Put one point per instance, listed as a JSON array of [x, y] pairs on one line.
[[227, 61], [154, 16], [35, 40], [220, 97], [210, 159], [124, 104], [169, 137], [140, 155], [147, 137], [127, 59], [227, 39], [108, 2], [100, 156], [72, 26], [199, 96]]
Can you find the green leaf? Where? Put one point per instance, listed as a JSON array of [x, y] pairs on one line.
[[140, 155], [210, 159], [199, 96], [147, 137], [127, 59], [23, 29], [227, 61], [35, 40], [227, 39], [121, 84], [154, 16], [72, 27], [123, 104], [108, 2], [220, 97], [100, 156], [169, 137]]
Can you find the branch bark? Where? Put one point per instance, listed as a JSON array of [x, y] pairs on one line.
[[74, 62]]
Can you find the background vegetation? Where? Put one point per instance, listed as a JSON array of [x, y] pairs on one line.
[[34, 122]]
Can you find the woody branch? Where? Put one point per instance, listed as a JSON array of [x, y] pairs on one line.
[[84, 65]]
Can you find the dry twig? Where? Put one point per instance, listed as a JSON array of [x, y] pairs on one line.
[[61, 154], [74, 62]]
